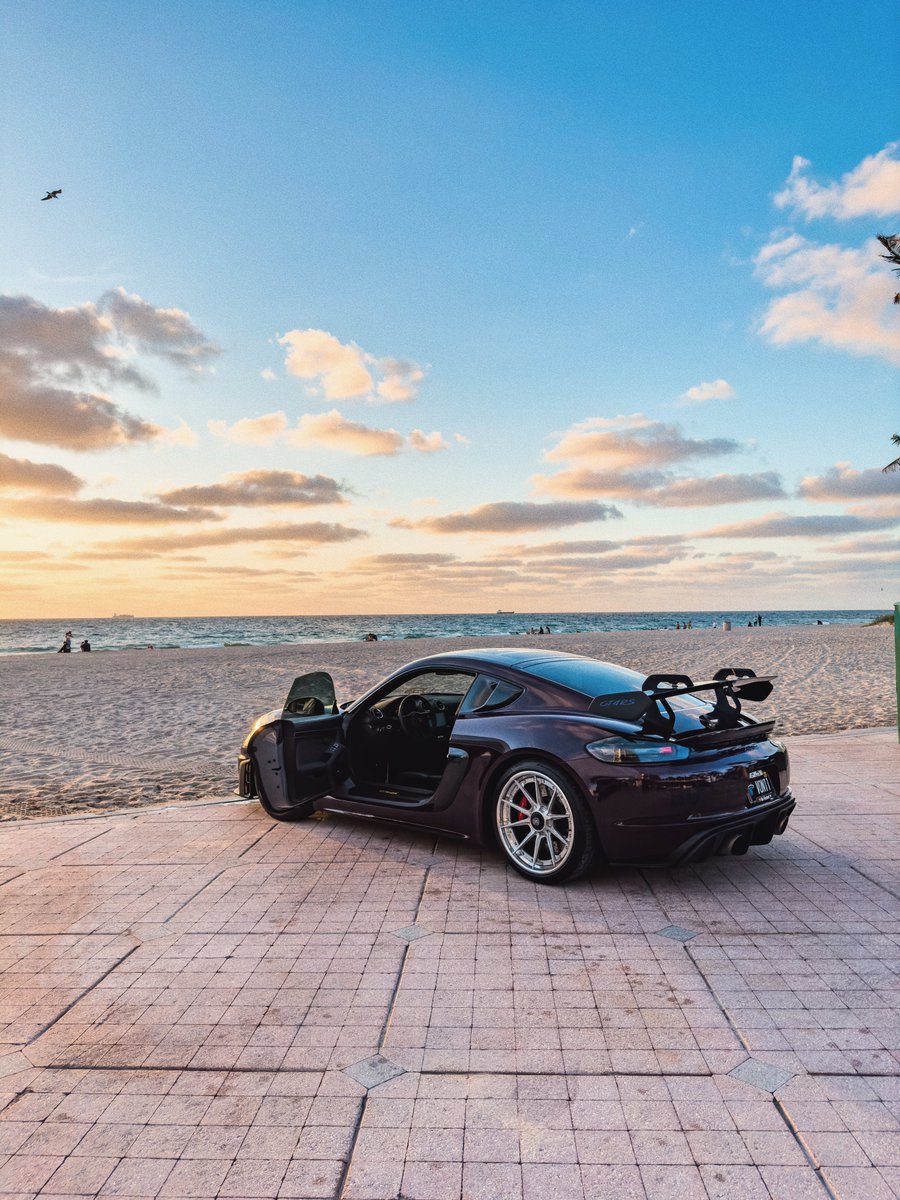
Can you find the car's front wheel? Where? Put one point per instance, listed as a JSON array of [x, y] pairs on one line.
[[542, 823]]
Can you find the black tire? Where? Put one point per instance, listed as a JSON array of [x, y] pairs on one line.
[[539, 816]]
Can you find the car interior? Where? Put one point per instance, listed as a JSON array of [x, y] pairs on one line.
[[397, 744]]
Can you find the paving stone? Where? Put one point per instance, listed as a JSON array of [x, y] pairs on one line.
[[677, 933], [762, 1075], [371, 1072], [411, 933]]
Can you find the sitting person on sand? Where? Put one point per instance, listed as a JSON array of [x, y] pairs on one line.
[[66, 647], [85, 646]]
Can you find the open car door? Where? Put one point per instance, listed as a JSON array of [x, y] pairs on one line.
[[297, 757]]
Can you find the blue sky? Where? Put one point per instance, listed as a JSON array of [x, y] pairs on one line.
[[500, 247]]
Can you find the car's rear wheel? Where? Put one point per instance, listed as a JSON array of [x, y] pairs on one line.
[[542, 823]]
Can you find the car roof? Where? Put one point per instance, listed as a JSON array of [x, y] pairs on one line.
[[502, 656]]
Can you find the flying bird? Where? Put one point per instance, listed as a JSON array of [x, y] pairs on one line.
[[52, 195]]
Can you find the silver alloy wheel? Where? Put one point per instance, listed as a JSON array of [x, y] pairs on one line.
[[535, 822]]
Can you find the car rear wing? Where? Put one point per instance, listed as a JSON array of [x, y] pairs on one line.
[[651, 709]]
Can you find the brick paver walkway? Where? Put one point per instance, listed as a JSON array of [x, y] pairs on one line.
[[203, 1002]]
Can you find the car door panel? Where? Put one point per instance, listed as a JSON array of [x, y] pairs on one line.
[[297, 760]]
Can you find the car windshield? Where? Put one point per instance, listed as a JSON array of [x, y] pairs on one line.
[[594, 678]]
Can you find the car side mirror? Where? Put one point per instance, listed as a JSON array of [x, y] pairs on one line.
[[311, 695]]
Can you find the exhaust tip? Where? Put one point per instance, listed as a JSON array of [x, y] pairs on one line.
[[738, 844]]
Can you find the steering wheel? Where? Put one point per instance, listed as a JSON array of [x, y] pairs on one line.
[[416, 717]]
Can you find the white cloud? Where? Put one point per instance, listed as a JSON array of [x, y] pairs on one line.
[[785, 525], [304, 534], [842, 482], [252, 431], [330, 429], [261, 487], [23, 475], [633, 441], [426, 443], [718, 389], [399, 379], [339, 369], [55, 364], [268, 374], [627, 457], [181, 435], [661, 488], [337, 433], [834, 295], [871, 189], [344, 371], [167, 332], [510, 516]]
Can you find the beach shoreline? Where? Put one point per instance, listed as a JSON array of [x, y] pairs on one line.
[[87, 733], [43, 636]]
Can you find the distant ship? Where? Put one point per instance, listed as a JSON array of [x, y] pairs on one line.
[[506, 612], [123, 616]]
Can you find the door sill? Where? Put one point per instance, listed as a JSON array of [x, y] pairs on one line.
[[383, 795]]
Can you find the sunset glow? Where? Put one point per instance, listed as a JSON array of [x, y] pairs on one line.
[[438, 309]]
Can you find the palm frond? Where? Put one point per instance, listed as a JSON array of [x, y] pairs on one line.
[[895, 465], [891, 243]]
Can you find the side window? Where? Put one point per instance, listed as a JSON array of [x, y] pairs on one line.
[[446, 684], [487, 695]]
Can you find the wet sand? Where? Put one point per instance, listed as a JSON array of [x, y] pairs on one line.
[[97, 732]]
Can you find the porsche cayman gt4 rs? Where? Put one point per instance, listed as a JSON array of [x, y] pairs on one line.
[[560, 760]]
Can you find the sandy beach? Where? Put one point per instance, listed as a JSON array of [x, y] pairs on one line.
[[93, 733]]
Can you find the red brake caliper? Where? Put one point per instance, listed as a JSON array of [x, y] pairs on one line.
[[520, 807]]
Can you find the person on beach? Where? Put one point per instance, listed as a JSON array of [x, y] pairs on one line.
[[371, 637], [85, 646], [66, 647]]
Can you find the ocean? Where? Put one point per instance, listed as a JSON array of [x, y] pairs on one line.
[[163, 633]]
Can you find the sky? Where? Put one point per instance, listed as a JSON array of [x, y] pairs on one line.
[[428, 307]]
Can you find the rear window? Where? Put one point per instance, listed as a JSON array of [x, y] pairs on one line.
[[593, 678], [586, 675]]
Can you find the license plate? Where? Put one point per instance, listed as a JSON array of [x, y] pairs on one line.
[[760, 788]]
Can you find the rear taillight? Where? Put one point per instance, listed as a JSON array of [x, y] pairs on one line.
[[621, 750]]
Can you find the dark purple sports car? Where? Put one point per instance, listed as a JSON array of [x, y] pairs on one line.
[[560, 760]]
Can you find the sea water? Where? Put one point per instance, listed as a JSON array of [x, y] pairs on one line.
[[129, 633]]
